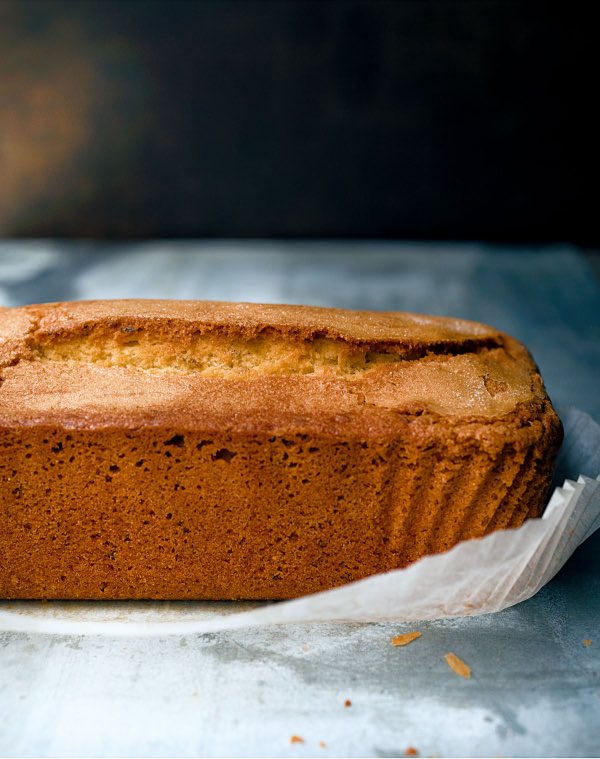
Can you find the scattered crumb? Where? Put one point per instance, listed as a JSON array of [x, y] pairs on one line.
[[457, 665], [305, 647], [587, 642], [296, 739], [347, 702], [322, 744], [404, 640], [411, 751]]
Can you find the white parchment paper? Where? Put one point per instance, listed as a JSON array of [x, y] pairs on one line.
[[475, 577]]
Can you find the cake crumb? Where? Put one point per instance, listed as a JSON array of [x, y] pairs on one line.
[[457, 665], [587, 642], [404, 640], [296, 739], [322, 744], [347, 702], [411, 751]]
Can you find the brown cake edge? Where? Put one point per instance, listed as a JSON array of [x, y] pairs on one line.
[[257, 516]]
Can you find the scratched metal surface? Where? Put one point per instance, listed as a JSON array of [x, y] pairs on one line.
[[535, 689]]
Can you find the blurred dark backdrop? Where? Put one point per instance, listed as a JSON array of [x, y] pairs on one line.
[[428, 119]]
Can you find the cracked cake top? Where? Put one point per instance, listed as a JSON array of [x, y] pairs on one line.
[[244, 366]]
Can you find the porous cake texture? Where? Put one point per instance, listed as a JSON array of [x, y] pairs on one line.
[[198, 450]]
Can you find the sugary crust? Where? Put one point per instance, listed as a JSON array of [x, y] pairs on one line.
[[252, 318], [152, 449], [122, 363]]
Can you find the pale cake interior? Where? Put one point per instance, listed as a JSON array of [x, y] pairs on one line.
[[218, 355]]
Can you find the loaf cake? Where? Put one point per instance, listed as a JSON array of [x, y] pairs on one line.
[[201, 450]]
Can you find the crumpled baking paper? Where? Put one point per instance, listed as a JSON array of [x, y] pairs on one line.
[[475, 577]]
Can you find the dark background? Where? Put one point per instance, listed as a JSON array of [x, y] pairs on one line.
[[454, 119]]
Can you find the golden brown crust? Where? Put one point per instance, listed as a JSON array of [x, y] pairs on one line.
[[156, 449], [126, 363]]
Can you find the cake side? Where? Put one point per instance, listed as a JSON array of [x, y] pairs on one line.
[[163, 513]]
